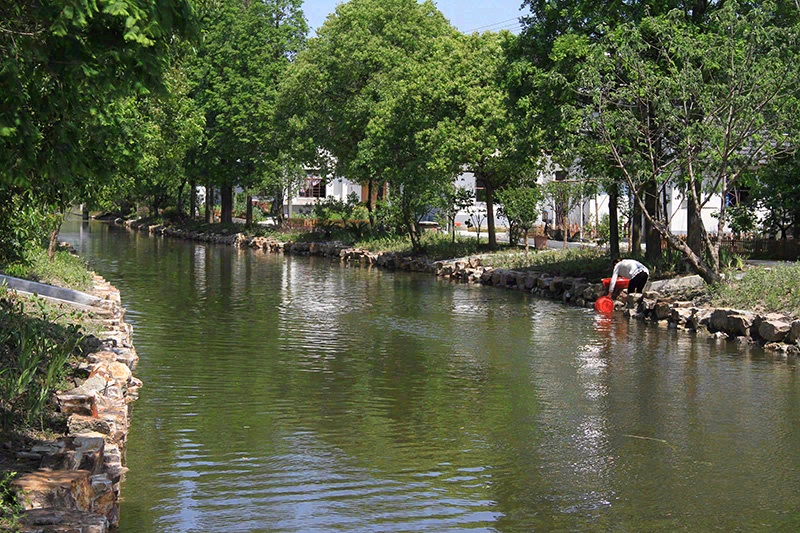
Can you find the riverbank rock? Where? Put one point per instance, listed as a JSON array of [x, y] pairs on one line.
[[76, 487]]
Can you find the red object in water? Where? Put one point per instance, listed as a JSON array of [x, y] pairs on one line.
[[604, 304], [622, 283]]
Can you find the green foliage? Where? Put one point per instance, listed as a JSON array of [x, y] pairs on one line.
[[340, 88], [487, 138], [772, 289], [697, 106], [33, 357], [741, 218], [63, 62], [245, 50], [24, 227], [453, 200], [776, 189], [370, 94], [348, 214], [603, 229], [592, 264], [10, 508], [521, 206]]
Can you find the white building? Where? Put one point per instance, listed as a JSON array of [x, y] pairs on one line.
[[316, 188]]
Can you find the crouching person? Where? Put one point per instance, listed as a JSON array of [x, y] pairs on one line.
[[636, 272]]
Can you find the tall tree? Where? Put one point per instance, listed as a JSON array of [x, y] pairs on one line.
[[63, 64], [246, 47], [486, 133], [547, 58], [672, 102], [342, 84]]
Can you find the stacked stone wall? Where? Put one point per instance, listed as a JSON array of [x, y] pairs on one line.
[[77, 485]]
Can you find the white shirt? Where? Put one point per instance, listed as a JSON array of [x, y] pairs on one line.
[[627, 268]]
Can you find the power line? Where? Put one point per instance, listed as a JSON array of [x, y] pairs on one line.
[[510, 24]]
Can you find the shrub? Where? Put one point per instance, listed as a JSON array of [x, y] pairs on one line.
[[33, 361]]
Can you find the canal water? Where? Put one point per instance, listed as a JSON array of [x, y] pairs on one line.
[[299, 395]]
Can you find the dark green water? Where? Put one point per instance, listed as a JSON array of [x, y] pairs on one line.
[[294, 394]]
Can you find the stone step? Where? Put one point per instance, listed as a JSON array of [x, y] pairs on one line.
[[60, 521]]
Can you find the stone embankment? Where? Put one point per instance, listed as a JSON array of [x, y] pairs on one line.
[[77, 485], [666, 302]]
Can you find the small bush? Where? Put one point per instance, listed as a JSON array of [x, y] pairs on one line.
[[33, 361], [10, 508]]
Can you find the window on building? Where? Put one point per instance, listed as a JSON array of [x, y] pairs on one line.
[[314, 187]]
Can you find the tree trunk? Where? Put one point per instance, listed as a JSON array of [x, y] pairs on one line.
[[248, 208], [695, 231], [192, 199], [84, 212], [527, 244], [636, 229], [276, 209], [53, 243], [709, 274], [179, 203], [209, 204], [490, 216], [653, 237], [226, 201], [613, 221], [372, 200]]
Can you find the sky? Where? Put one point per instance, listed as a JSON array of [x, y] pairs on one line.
[[466, 15]]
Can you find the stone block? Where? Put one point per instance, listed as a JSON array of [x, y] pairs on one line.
[[794, 334], [662, 311], [774, 330], [78, 403], [63, 489], [718, 320], [89, 424], [119, 372], [701, 319], [497, 276], [682, 316], [530, 282], [59, 521], [557, 285], [739, 324]]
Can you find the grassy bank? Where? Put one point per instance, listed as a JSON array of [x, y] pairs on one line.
[[40, 343], [66, 269], [774, 289]]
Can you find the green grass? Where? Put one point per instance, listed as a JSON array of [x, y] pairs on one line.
[[66, 270], [435, 246], [10, 507], [589, 263], [34, 355], [766, 290]]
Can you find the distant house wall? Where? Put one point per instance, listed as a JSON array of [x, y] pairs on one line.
[[317, 188]]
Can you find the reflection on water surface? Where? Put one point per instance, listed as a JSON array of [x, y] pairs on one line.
[[294, 394]]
